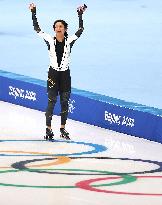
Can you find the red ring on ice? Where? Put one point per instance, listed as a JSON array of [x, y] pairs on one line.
[[86, 185]]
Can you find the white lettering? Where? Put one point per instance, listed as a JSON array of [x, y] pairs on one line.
[[71, 106], [20, 93], [119, 120]]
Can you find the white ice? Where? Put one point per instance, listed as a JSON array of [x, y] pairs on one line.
[[18, 123]]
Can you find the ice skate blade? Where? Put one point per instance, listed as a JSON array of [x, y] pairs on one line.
[[66, 138], [48, 138]]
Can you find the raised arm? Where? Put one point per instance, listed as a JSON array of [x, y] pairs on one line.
[[32, 8], [80, 11]]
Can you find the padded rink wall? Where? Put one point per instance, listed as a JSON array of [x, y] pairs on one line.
[[106, 112]]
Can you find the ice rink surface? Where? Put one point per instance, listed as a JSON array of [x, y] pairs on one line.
[[97, 166]]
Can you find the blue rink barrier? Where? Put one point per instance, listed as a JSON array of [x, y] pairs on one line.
[[110, 113]]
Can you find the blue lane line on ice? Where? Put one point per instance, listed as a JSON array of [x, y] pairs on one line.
[[96, 148]]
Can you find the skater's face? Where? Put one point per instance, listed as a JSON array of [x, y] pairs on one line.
[[59, 29]]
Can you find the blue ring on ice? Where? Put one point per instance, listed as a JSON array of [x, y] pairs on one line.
[[96, 148]]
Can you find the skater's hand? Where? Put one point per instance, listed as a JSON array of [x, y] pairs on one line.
[[32, 7], [81, 9]]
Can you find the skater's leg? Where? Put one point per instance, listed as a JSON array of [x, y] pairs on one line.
[[52, 98], [64, 99], [52, 89]]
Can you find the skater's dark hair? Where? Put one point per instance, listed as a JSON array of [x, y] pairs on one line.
[[65, 26]]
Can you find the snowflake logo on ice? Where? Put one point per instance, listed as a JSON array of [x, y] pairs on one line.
[[71, 106]]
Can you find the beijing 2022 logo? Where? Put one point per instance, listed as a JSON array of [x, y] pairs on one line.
[[71, 106], [119, 120], [23, 94]]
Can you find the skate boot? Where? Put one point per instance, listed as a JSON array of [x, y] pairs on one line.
[[64, 134], [49, 134]]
